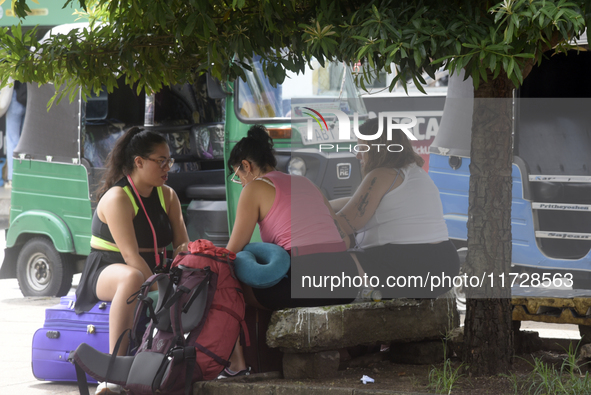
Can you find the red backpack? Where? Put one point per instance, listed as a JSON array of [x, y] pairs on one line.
[[192, 330]]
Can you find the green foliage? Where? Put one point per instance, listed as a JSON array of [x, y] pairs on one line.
[[156, 43], [443, 379], [420, 36], [547, 379]]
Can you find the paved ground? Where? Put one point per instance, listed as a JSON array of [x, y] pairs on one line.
[[20, 318]]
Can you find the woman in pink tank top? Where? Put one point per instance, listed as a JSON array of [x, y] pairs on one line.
[[292, 213]]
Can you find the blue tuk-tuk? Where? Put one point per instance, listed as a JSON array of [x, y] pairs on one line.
[[551, 206]]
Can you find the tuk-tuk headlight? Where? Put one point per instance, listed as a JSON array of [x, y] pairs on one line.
[[297, 166]]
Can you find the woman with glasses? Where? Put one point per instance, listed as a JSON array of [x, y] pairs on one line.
[[292, 213], [123, 254]]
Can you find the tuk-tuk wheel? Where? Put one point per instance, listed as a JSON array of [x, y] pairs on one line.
[[41, 270]]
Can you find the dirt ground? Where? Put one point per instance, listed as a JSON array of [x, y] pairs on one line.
[[415, 378]]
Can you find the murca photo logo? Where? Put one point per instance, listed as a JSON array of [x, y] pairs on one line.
[[393, 121]]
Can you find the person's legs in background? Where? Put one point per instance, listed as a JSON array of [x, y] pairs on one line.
[[14, 124]]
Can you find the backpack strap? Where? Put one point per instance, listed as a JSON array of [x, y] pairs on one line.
[[240, 320], [142, 296], [81, 379], [114, 354], [191, 360], [198, 290], [188, 355], [213, 356]]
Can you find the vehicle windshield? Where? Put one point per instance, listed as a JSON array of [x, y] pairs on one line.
[[332, 85]]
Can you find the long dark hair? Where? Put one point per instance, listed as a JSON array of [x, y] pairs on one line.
[[120, 162], [383, 157], [256, 147]]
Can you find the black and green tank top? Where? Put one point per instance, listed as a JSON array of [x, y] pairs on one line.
[[156, 209]]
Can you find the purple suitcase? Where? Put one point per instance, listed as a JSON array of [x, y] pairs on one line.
[[62, 332]]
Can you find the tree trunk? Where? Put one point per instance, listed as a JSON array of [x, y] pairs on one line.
[[488, 335]]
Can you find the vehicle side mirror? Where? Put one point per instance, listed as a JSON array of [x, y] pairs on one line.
[[214, 88]]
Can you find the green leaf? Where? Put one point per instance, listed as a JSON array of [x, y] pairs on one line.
[[362, 51], [510, 67], [492, 61], [525, 55], [496, 73], [465, 60], [17, 32], [393, 47], [392, 30], [210, 23], [496, 47], [422, 51], [418, 85], [455, 26], [498, 16], [546, 10], [518, 75], [324, 49], [509, 33], [371, 63], [376, 12], [515, 20], [436, 61], [393, 83], [417, 57], [476, 82], [190, 25], [483, 75], [558, 14]]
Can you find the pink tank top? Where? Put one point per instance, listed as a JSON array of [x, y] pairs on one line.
[[299, 221]]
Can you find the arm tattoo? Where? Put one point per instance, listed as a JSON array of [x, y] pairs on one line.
[[364, 201], [341, 232], [348, 223], [362, 204]]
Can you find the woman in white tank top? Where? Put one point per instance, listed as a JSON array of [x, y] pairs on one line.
[[396, 216]]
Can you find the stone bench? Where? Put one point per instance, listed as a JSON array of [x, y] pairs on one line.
[[311, 337]]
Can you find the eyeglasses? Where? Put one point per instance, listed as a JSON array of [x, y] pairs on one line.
[[234, 179], [163, 162]]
